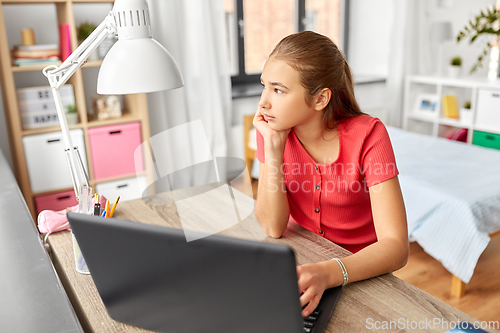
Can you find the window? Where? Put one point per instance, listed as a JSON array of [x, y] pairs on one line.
[[255, 26]]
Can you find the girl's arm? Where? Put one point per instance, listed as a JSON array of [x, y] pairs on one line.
[[271, 209], [388, 254]]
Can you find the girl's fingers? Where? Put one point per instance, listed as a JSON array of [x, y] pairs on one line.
[[313, 304], [307, 296]]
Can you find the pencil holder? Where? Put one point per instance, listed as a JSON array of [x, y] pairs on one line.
[[81, 265], [84, 207]]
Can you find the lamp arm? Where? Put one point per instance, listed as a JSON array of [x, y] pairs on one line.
[[57, 77]]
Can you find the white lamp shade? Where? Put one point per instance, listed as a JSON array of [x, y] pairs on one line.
[[138, 66]]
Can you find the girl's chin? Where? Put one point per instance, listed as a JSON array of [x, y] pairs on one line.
[[275, 126]]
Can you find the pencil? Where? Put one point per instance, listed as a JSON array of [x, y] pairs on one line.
[[106, 208], [114, 206]]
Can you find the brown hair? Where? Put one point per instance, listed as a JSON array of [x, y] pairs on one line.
[[321, 64]]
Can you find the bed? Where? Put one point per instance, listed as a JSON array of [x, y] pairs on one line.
[[452, 197]]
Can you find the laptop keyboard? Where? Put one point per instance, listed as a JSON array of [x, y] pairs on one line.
[[310, 320], [318, 320]]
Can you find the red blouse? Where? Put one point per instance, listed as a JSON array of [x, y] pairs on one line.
[[333, 200]]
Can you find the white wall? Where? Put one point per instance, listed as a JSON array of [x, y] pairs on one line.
[[370, 24], [371, 28]]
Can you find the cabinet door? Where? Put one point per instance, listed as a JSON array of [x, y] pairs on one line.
[[46, 160], [488, 109]]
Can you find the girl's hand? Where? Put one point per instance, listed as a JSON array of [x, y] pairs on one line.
[[273, 139], [313, 281]]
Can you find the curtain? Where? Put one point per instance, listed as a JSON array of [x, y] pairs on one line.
[[409, 52], [194, 32]]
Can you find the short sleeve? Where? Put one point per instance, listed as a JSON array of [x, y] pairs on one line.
[[377, 156], [259, 153]]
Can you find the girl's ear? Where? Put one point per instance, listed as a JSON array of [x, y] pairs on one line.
[[322, 99]]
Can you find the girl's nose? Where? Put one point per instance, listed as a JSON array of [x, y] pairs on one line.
[[264, 101]]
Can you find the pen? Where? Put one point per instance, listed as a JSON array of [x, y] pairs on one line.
[[103, 213], [114, 206], [97, 209], [97, 206], [107, 208]]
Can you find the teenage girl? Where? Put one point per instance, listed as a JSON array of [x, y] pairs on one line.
[[326, 165]]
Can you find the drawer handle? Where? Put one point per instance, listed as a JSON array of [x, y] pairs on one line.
[[63, 198], [122, 186], [115, 132], [495, 95], [490, 137], [54, 140]]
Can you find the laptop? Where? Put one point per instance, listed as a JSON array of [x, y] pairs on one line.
[[150, 277]]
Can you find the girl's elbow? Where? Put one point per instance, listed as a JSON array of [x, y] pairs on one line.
[[271, 228], [274, 233], [405, 253]]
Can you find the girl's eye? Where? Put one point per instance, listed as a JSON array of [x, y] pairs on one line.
[[263, 86], [278, 91]]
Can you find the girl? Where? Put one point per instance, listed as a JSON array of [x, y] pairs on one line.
[[326, 165]]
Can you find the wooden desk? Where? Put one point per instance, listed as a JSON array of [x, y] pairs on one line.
[[385, 298]]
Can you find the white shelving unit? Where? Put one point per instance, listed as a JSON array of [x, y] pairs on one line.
[[436, 124]]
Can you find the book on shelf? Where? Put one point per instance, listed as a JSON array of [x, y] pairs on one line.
[[34, 62], [32, 55], [450, 106], [35, 53], [36, 47], [64, 41]]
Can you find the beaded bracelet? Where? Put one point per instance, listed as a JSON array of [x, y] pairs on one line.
[[344, 271]]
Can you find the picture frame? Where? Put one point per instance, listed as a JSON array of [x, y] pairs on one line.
[[426, 105]]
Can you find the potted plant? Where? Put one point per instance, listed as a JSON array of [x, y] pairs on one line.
[[71, 114], [455, 67], [466, 113], [82, 32], [484, 23]]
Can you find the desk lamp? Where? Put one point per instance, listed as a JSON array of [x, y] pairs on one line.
[[135, 64]]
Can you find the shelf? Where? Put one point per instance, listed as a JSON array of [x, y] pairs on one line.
[[48, 129], [53, 191], [95, 63], [453, 122], [110, 179], [489, 130], [30, 2], [431, 119], [31, 68], [93, 1], [125, 118]]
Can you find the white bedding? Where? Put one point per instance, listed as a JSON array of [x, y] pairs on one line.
[[452, 197]]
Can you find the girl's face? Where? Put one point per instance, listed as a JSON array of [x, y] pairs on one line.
[[282, 102]]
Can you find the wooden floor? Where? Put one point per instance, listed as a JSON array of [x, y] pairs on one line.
[[482, 294]]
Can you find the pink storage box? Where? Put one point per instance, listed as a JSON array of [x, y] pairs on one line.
[[112, 149], [55, 201]]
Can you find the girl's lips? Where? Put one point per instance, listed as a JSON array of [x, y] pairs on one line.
[[267, 118]]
